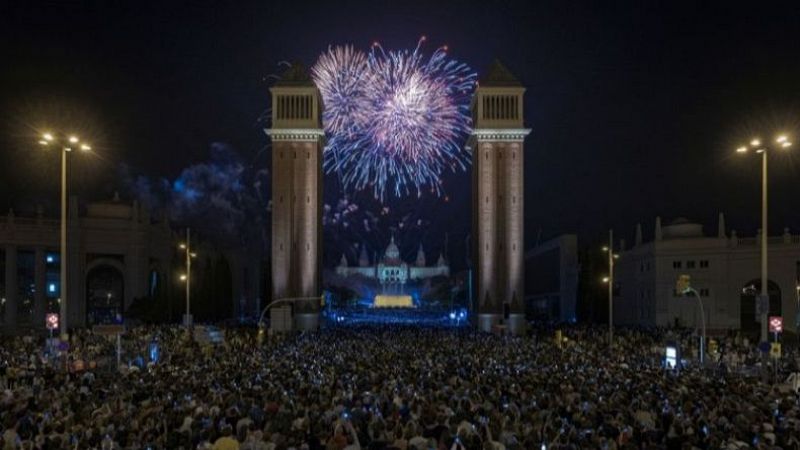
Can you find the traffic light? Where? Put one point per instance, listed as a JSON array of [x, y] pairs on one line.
[[683, 284]]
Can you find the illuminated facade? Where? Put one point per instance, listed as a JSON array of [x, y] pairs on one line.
[[391, 272], [498, 200]]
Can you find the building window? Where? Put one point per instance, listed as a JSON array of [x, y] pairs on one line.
[[704, 264], [704, 292], [676, 264], [690, 264]]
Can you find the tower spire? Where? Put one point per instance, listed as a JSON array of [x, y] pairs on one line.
[[638, 240], [658, 234], [420, 256]]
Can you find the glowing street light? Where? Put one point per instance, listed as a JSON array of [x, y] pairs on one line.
[[610, 281], [65, 144], [782, 142], [187, 277]]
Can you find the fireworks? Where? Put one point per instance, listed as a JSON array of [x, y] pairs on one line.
[[394, 120]]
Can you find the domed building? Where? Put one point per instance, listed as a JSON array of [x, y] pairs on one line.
[[391, 272]]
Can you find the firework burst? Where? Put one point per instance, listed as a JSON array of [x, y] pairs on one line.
[[395, 120]]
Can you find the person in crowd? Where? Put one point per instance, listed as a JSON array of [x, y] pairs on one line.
[[390, 387]]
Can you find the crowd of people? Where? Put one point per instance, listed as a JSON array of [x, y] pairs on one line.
[[388, 387]]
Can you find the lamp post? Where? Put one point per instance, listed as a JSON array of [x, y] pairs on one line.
[[66, 143], [683, 287], [781, 142], [187, 277], [610, 280]]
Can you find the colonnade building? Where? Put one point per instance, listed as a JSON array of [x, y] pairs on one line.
[[116, 253]]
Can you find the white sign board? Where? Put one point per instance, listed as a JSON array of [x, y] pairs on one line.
[[672, 357]]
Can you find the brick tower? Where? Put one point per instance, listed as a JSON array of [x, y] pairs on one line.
[[297, 142], [498, 200]]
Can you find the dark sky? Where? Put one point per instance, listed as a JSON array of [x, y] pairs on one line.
[[636, 108]]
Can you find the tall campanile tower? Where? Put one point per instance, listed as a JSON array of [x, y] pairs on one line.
[[498, 200], [297, 142]]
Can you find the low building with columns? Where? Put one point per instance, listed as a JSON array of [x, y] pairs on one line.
[[116, 253], [391, 272], [724, 269]]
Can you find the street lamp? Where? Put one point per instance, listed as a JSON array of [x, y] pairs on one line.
[[781, 142], [187, 277], [66, 145], [683, 287], [610, 280]]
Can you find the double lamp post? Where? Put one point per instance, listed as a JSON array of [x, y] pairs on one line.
[[781, 142], [66, 144]]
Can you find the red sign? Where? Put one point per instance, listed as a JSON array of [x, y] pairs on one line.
[[776, 324], [51, 320]]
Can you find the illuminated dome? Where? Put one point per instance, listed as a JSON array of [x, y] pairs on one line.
[[392, 253]]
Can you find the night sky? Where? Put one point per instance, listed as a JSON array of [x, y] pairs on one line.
[[636, 108]]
